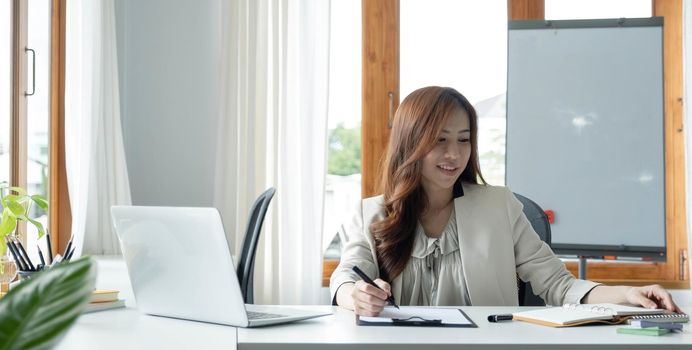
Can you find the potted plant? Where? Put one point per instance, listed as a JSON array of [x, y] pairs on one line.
[[16, 204], [37, 313]]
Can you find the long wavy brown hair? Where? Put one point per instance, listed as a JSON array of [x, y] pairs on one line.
[[416, 126]]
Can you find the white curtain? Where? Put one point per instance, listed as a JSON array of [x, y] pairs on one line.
[[94, 152], [272, 133]]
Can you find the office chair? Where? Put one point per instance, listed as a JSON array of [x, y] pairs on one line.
[[539, 222], [246, 263]]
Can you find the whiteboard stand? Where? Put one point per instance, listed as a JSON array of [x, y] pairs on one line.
[[582, 267]]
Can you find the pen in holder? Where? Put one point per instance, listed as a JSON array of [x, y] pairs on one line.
[[26, 267]]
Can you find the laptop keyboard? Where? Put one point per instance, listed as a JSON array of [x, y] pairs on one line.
[[262, 315]]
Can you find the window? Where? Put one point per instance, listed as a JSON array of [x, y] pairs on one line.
[[38, 110], [5, 88], [462, 45], [343, 180], [29, 102], [384, 22], [590, 9]]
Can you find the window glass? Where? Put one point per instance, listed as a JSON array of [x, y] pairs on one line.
[[5, 87], [343, 180], [38, 110], [591, 9], [461, 44]]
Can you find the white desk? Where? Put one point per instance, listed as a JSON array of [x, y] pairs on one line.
[[128, 329], [339, 331]]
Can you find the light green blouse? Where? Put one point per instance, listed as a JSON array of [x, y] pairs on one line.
[[434, 276]]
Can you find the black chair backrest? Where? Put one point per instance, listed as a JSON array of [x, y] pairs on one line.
[[540, 224], [246, 263]]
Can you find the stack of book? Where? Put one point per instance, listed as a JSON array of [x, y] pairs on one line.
[[639, 327], [102, 299]]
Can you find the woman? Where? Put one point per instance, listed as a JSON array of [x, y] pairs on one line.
[[439, 235]]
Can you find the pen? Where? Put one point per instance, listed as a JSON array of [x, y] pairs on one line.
[[368, 280], [40, 255], [50, 249], [69, 254], [68, 246], [497, 318], [17, 259], [26, 256]]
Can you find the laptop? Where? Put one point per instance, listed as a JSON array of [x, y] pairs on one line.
[[180, 266]]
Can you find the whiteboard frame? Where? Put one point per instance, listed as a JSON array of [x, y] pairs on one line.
[[657, 253]]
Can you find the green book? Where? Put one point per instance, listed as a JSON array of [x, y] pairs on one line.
[[643, 331]]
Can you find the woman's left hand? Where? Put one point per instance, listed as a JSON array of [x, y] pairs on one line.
[[652, 297]]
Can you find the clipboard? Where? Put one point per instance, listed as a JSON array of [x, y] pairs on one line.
[[415, 316]]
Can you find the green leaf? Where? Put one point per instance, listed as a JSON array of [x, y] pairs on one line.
[[15, 198], [37, 313], [39, 226], [8, 222], [40, 201], [16, 208]]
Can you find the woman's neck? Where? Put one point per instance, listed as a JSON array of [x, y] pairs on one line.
[[438, 200]]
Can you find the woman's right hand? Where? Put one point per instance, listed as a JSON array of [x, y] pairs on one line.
[[368, 300]]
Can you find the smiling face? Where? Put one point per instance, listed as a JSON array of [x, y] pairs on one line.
[[448, 158]]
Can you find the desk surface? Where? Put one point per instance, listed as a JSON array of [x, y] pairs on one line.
[[128, 329], [339, 331]]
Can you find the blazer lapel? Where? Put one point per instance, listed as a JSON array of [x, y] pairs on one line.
[[476, 253]]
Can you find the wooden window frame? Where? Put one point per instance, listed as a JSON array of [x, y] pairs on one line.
[[59, 218], [18, 120], [380, 86]]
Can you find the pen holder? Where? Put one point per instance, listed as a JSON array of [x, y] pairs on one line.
[[25, 275], [7, 274]]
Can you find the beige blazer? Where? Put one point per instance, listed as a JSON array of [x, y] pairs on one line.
[[496, 241]]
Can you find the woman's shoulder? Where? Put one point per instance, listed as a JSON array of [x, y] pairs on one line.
[[372, 205], [484, 189], [492, 195], [378, 200], [368, 206]]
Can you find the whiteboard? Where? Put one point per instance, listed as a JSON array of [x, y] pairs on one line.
[[585, 131]]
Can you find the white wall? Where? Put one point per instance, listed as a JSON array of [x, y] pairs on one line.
[[167, 55]]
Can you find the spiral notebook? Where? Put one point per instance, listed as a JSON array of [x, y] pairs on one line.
[[662, 318], [578, 314]]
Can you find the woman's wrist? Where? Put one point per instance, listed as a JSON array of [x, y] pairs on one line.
[[343, 295], [609, 294]]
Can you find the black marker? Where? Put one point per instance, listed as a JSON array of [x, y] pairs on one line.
[[50, 249], [68, 247], [25, 256], [369, 281], [40, 255], [497, 318], [17, 258]]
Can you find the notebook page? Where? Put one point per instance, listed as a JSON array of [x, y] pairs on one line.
[[447, 315], [561, 316]]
